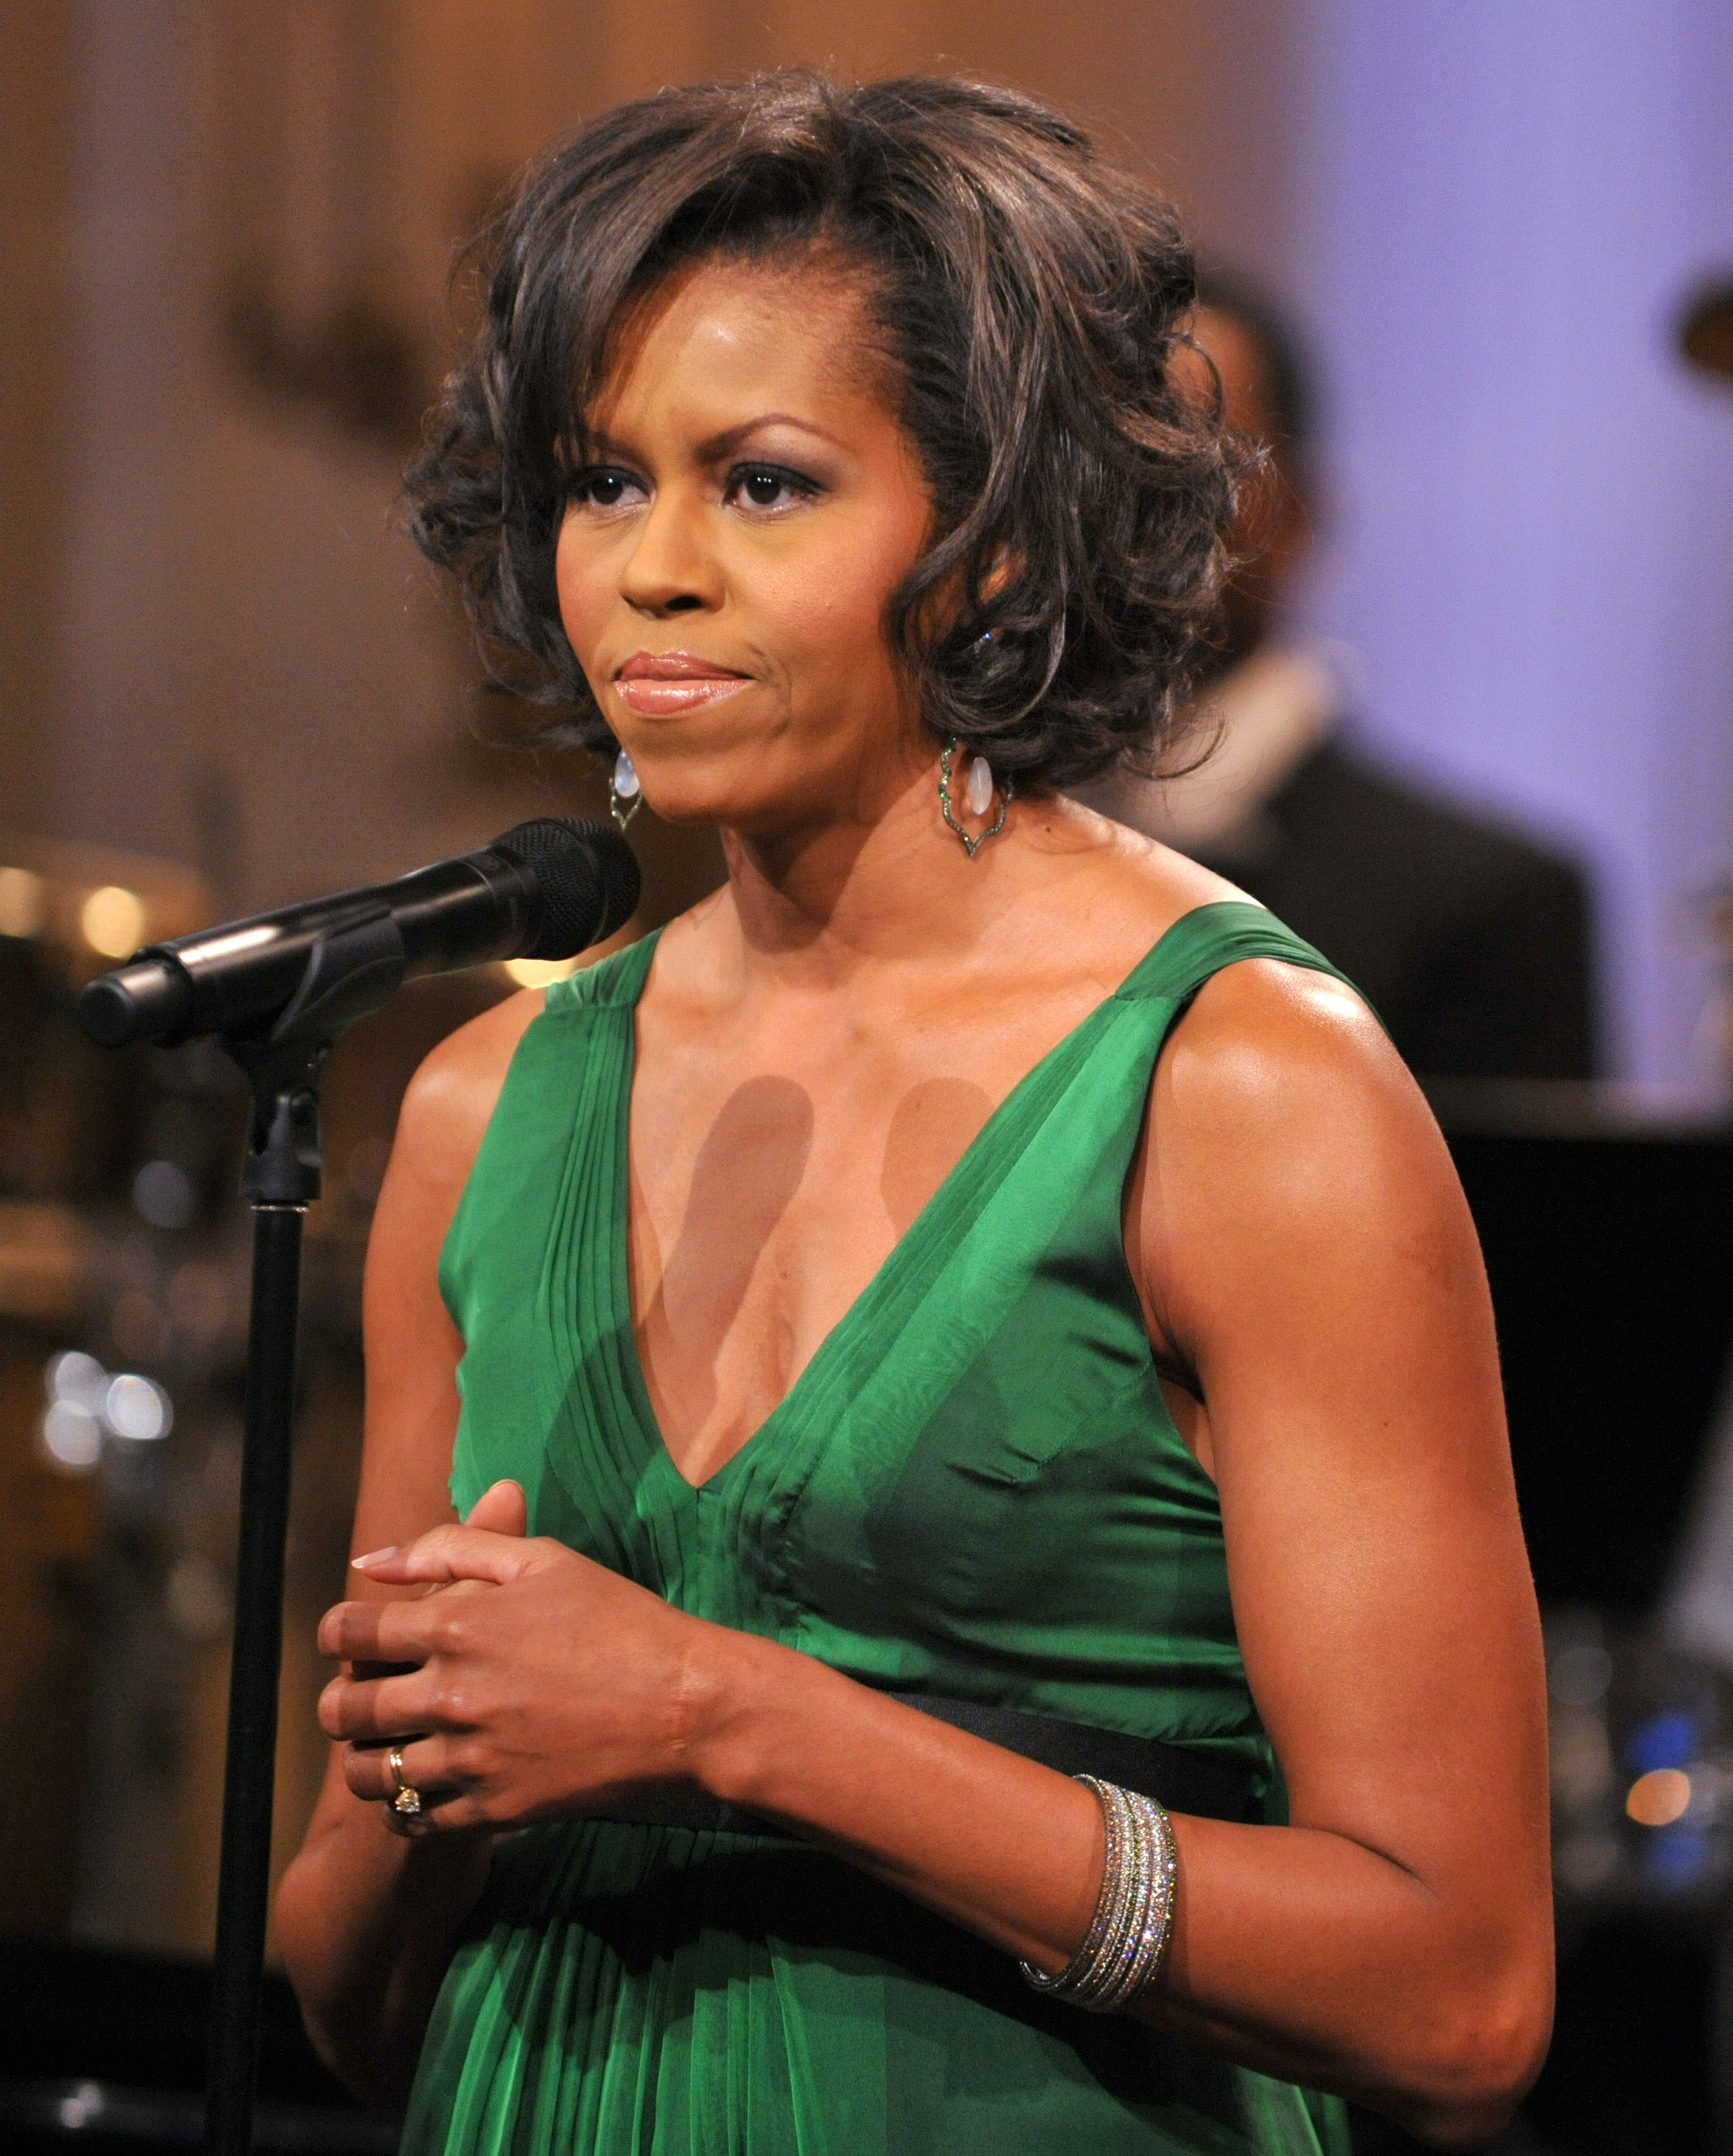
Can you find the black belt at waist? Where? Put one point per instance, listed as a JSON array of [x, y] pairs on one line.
[[1203, 1783]]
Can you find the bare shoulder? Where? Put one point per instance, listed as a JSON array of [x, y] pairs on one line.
[[1278, 1050], [1288, 1151], [439, 1128], [1266, 1047], [446, 1108], [412, 1345]]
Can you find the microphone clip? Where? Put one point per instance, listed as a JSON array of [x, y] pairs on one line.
[[355, 966], [285, 1143]]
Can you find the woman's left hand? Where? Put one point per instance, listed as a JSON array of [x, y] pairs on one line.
[[539, 1683]]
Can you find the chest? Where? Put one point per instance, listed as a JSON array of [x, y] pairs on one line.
[[774, 1167]]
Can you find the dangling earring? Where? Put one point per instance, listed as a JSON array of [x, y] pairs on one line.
[[977, 797], [625, 792]]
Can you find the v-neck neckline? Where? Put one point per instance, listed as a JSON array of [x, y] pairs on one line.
[[896, 1261]]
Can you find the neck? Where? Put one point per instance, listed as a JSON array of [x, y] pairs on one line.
[[888, 884]]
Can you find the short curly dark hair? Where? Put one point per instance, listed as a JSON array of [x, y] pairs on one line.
[[1029, 298]]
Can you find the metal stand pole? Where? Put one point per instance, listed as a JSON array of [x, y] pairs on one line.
[[282, 1176], [351, 958], [244, 1883]]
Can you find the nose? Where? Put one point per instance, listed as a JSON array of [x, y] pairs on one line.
[[671, 569]]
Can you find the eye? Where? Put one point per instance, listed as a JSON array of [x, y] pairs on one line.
[[768, 488], [606, 486]]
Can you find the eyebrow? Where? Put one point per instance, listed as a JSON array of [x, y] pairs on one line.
[[720, 445]]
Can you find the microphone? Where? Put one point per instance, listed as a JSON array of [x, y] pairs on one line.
[[546, 888]]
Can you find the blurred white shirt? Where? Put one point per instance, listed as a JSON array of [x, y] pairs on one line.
[[1256, 724]]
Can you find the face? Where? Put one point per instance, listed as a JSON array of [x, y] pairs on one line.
[[724, 566]]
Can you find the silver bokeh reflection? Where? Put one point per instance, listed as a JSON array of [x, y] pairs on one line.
[[87, 1403]]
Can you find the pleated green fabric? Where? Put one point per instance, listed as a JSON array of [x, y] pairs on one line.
[[973, 1489]]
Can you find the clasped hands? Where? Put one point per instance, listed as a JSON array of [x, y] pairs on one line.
[[527, 1683]]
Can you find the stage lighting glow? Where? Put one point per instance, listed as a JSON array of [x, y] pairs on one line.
[[1659, 1798], [83, 2108], [20, 902], [537, 972], [113, 921]]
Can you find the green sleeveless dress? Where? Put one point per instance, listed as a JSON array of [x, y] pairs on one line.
[[974, 1489]]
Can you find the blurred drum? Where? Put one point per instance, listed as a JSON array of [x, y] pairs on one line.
[[123, 1302], [71, 1122], [66, 913]]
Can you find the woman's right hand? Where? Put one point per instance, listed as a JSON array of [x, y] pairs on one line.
[[500, 1510], [529, 1683]]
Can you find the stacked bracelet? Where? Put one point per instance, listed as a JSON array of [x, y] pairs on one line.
[[1128, 1935]]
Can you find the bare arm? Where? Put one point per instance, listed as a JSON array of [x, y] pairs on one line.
[[1308, 1263], [365, 1917]]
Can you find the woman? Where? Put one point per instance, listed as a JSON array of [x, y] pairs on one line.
[[974, 1303]]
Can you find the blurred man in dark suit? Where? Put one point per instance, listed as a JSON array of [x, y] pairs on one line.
[[1469, 938]]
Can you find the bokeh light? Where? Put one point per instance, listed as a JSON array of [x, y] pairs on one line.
[[20, 902], [112, 921], [162, 1194], [1659, 1798], [87, 1403], [73, 1436], [134, 1408], [537, 972]]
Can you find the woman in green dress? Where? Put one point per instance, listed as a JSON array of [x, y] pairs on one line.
[[974, 1304]]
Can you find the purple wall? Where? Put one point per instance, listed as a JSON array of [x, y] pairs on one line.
[[1532, 548]]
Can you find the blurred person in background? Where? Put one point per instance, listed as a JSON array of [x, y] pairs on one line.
[[1470, 940], [908, 1414]]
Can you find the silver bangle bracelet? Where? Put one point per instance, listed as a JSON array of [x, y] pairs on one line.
[[1128, 1935]]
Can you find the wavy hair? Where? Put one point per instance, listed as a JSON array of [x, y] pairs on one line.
[[1028, 298]]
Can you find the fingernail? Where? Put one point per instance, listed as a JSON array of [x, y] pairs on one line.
[[372, 1556]]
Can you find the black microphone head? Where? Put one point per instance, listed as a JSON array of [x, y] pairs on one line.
[[587, 876], [147, 999]]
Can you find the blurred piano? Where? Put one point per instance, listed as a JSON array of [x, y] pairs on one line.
[[1606, 1215]]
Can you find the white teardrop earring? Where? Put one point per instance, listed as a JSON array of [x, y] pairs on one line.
[[625, 792], [977, 798]]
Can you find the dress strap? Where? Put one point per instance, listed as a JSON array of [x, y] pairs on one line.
[[1208, 938]]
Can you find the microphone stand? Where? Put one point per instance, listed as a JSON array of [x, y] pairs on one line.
[[353, 957], [350, 971]]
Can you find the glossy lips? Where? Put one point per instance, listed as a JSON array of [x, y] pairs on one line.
[[654, 682]]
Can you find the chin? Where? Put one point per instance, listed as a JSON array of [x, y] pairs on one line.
[[687, 814], [727, 790], [695, 797]]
